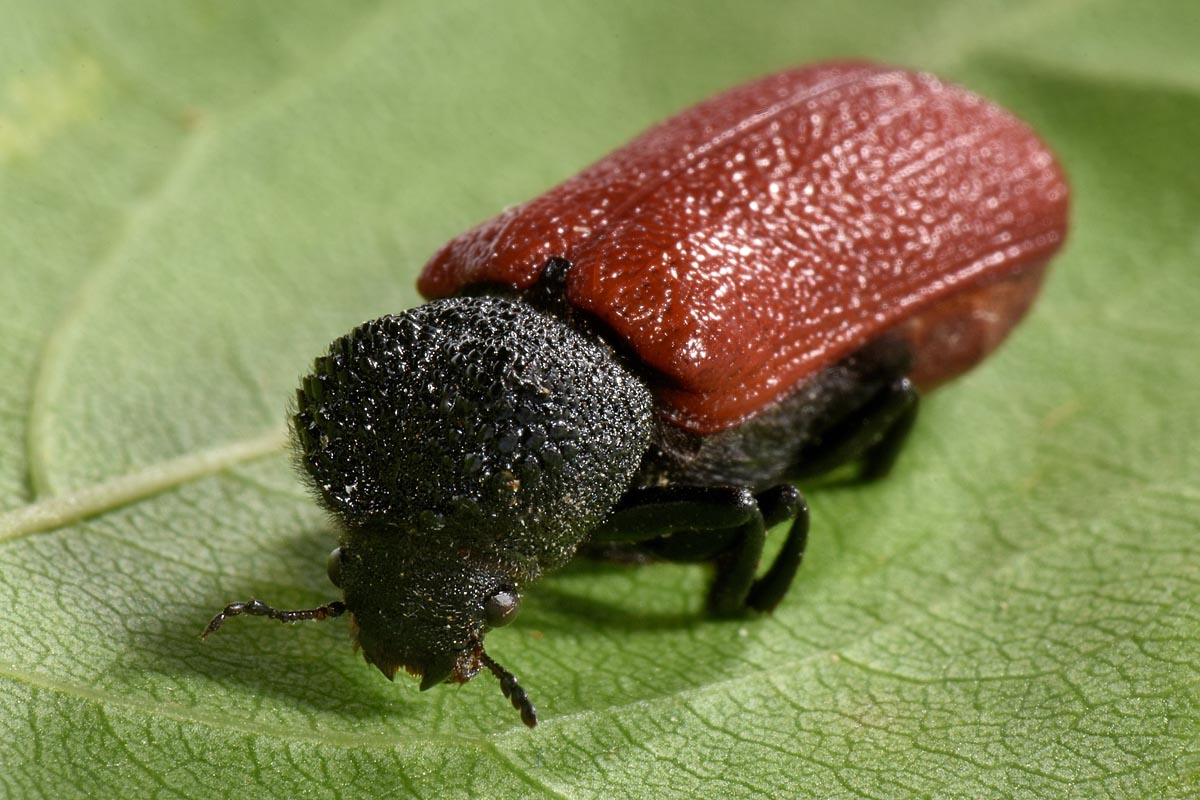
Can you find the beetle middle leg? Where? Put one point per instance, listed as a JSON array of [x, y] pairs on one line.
[[722, 524], [872, 434]]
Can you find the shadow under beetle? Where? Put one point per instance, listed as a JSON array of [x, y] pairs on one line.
[[646, 356]]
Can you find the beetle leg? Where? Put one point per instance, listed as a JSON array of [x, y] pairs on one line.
[[778, 504], [897, 416], [725, 525], [873, 434], [657, 512], [736, 567]]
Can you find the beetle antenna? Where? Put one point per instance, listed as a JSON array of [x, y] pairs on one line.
[[512, 690], [257, 608]]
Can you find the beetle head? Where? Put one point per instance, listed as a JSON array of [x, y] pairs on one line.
[[425, 615], [465, 446]]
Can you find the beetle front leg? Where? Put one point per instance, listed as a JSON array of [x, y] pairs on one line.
[[652, 517], [736, 567], [725, 525], [779, 504]]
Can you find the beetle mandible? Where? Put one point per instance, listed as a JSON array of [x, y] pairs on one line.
[[647, 355]]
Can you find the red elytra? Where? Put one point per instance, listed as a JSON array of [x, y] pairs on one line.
[[760, 236]]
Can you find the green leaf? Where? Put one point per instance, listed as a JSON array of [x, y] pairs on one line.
[[198, 196]]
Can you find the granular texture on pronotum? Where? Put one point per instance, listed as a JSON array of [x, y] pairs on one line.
[[645, 357]]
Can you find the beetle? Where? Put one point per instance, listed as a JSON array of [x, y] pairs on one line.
[[647, 356]]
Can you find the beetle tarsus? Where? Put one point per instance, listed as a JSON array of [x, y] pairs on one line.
[[257, 608]]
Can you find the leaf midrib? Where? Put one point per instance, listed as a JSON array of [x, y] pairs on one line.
[[60, 510]]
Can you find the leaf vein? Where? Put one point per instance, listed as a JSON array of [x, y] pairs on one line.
[[61, 510]]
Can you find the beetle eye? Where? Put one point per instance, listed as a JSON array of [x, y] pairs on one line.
[[502, 607], [333, 566]]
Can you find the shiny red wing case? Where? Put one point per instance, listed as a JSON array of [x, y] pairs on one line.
[[760, 236]]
